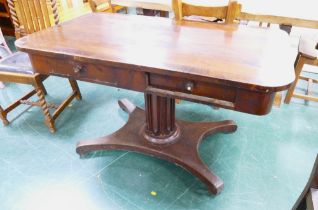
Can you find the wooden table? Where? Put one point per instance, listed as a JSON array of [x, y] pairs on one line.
[[233, 67]]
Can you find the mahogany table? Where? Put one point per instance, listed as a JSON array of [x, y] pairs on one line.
[[231, 66]]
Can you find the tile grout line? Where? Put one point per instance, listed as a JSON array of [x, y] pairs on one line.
[[180, 196], [117, 193], [109, 164]]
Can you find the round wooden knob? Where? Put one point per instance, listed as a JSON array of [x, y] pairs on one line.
[[189, 86], [78, 68]]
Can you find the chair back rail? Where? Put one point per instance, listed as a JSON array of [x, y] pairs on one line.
[[105, 6], [33, 15], [228, 12], [95, 4]]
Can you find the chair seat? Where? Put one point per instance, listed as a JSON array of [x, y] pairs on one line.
[[307, 46], [3, 52], [18, 62]]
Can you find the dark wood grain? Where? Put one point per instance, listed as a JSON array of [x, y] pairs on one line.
[[234, 55]]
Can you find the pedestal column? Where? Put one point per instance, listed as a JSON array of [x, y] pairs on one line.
[[160, 125]]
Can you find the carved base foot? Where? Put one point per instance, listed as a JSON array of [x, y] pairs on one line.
[[183, 151]]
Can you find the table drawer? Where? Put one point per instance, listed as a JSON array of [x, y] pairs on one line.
[[90, 72], [243, 100], [189, 86]]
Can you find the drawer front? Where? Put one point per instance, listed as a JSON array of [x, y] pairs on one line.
[[102, 74], [189, 86], [248, 101]]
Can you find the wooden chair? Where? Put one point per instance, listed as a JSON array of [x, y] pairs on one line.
[[105, 6], [308, 200], [228, 13], [17, 67], [307, 54]]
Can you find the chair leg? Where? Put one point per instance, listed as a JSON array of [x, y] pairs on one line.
[[48, 118], [278, 99], [39, 82], [41, 92], [3, 116], [75, 89], [299, 63], [41, 86]]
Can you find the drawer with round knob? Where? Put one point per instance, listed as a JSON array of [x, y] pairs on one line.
[[194, 87]]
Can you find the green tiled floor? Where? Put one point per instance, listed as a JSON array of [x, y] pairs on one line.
[[264, 165]]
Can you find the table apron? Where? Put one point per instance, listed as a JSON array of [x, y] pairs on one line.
[[229, 97]]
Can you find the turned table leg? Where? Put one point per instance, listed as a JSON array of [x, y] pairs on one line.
[[156, 132]]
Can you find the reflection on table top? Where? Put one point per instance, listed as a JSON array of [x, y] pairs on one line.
[[296, 9], [249, 57]]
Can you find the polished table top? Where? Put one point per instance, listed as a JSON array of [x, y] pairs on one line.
[[250, 58]]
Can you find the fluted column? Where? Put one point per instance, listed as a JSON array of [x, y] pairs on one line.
[[160, 126]]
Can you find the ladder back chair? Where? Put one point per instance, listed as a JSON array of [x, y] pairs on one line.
[[32, 15], [307, 54], [17, 68], [308, 199], [105, 6], [228, 13]]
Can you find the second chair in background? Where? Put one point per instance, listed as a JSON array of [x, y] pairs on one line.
[[105, 6], [228, 13], [307, 54]]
